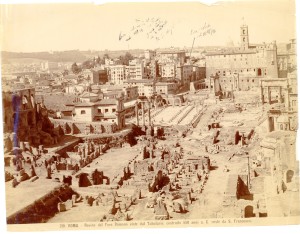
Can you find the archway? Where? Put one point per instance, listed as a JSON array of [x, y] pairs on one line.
[[259, 72], [177, 101], [164, 102], [271, 124], [281, 127]]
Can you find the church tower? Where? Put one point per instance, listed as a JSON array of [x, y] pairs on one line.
[[244, 37]]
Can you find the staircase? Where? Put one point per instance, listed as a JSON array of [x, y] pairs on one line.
[[177, 113], [185, 114]]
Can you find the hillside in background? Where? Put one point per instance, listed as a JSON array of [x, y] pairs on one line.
[[63, 56]]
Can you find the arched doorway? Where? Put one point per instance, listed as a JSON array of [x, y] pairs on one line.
[[271, 124], [177, 101], [164, 102], [259, 72]]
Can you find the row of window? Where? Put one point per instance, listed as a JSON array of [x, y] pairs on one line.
[[259, 71], [223, 81], [234, 56], [83, 112]]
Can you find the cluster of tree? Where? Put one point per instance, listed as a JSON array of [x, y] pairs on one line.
[[124, 60], [88, 64], [91, 63], [75, 68]]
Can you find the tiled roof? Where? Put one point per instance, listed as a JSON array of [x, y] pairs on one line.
[[85, 104], [107, 102]]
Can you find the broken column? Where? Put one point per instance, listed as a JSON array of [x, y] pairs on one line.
[[149, 115], [137, 114], [269, 95]]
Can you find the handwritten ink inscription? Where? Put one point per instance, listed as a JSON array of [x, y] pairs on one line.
[[203, 31], [153, 28], [157, 29]]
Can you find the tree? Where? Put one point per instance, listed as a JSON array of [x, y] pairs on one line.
[[126, 58], [105, 56], [75, 68], [88, 64], [65, 72], [98, 60]]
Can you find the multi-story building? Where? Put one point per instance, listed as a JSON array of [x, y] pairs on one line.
[[117, 74], [136, 69], [168, 70], [146, 87], [184, 73], [241, 68], [170, 55], [287, 59], [100, 76], [113, 91], [199, 73], [166, 88], [149, 54], [153, 67], [106, 110]]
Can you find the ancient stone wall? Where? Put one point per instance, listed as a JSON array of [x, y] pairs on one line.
[[27, 120], [42, 209], [74, 127], [66, 148]]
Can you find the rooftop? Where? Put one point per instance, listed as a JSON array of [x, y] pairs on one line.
[[88, 94], [107, 102], [85, 104], [231, 52], [140, 81]]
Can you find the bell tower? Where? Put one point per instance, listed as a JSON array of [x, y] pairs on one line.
[[244, 37]]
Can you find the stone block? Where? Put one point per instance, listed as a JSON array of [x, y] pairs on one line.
[[14, 183], [24, 177], [69, 204], [33, 178], [61, 207]]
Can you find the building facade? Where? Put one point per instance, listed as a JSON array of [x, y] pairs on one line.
[[241, 68], [146, 87], [106, 110], [117, 74], [136, 69]]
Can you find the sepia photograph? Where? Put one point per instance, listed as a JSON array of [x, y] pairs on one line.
[[130, 115]]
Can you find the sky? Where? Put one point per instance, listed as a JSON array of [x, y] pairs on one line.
[[86, 26]]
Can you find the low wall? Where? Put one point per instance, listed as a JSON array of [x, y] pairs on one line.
[[66, 148], [76, 127], [196, 120], [42, 209]]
